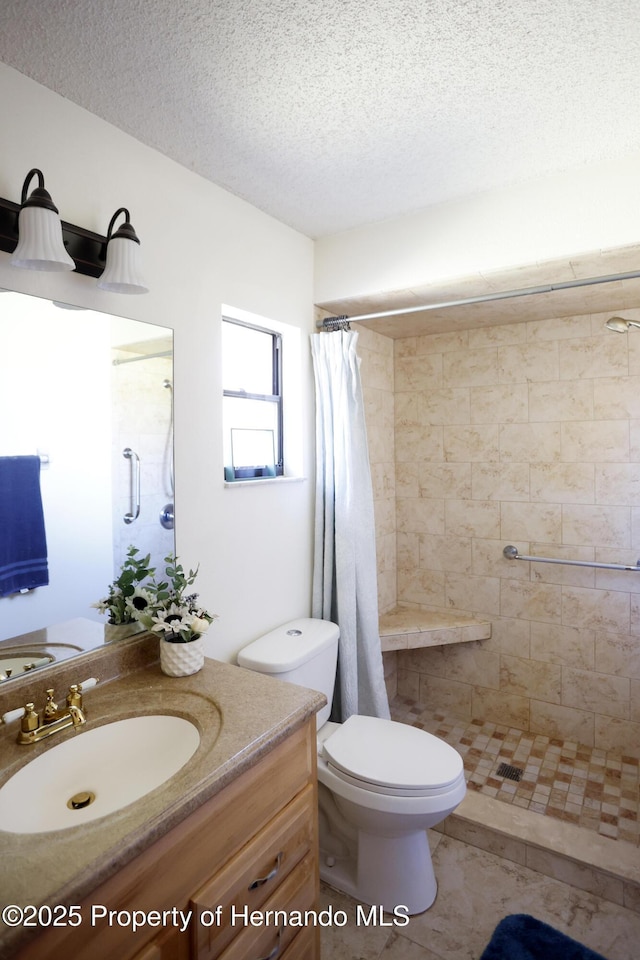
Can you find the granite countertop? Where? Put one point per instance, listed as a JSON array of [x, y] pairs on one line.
[[240, 715]]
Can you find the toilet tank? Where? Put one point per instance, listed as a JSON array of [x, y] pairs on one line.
[[302, 651]]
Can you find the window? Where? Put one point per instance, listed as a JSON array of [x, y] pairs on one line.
[[252, 405]]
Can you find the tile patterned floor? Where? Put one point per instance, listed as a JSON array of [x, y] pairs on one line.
[[592, 788], [476, 889]]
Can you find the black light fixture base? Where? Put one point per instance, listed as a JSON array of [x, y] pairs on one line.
[[88, 250]]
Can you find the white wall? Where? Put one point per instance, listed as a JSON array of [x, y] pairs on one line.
[[201, 247], [589, 209], [60, 409]]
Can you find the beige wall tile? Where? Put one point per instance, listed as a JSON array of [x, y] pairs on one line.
[[572, 646], [620, 736], [408, 684], [420, 516], [422, 586], [616, 398], [553, 720], [498, 706], [597, 692], [447, 405], [591, 357], [617, 654], [527, 362], [478, 595], [561, 400], [563, 482], [617, 483], [512, 637], [562, 328], [471, 443], [499, 336], [595, 440], [471, 368], [497, 403], [417, 373], [596, 609], [472, 518], [599, 525], [538, 521], [531, 601], [445, 553], [449, 481], [500, 481], [449, 696], [531, 678], [530, 443]]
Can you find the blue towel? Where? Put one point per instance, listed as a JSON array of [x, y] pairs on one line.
[[521, 937], [23, 543]]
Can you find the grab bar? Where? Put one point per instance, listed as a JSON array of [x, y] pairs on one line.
[[511, 553], [133, 457]]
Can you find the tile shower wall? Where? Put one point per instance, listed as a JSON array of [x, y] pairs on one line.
[[529, 434], [376, 354]]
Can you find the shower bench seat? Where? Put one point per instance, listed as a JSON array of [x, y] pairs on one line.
[[406, 628]]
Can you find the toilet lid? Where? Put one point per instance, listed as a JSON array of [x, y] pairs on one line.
[[391, 754]]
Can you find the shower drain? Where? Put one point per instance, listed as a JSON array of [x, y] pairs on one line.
[[510, 772]]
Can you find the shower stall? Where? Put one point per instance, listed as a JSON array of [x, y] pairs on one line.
[[142, 452]]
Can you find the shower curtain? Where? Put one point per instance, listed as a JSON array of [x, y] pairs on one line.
[[345, 587]]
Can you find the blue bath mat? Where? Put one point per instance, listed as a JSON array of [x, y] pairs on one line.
[[520, 937]]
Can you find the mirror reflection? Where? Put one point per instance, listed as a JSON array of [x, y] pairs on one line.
[[91, 396]]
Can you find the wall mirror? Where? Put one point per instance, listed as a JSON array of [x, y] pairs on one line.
[[92, 396]]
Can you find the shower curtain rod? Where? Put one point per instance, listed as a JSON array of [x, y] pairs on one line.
[[144, 356], [484, 298]]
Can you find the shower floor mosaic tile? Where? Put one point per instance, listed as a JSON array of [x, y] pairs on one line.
[[592, 788]]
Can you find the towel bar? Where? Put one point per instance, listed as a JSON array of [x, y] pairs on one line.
[[511, 553], [134, 460]]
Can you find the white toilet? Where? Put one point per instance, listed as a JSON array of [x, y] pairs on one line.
[[381, 783]]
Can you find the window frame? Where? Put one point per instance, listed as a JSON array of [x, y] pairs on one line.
[[276, 396]]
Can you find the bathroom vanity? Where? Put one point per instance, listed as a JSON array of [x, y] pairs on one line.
[[217, 860]]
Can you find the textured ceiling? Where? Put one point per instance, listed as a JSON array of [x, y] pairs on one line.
[[330, 114]]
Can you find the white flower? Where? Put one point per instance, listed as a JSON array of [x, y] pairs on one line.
[[139, 603]]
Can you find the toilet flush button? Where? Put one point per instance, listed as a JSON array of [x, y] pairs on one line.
[[294, 633]]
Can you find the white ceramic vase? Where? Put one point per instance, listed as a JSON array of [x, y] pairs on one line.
[[181, 659]]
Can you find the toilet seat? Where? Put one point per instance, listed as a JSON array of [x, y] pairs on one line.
[[391, 758]]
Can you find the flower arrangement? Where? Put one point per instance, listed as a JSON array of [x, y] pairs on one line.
[[127, 600], [174, 614]]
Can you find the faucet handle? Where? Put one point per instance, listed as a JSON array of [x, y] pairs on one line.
[[50, 712], [12, 715], [30, 720]]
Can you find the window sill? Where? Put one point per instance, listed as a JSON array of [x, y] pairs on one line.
[[263, 481]]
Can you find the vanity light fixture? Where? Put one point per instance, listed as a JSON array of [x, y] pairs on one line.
[[37, 239], [40, 245], [122, 271]]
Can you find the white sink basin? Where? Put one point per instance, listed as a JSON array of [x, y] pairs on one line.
[[105, 768]]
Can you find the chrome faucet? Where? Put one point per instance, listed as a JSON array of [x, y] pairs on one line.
[[54, 719]]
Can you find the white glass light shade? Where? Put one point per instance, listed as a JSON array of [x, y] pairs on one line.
[[122, 271], [40, 245]]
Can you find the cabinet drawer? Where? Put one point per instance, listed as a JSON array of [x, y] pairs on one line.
[[304, 946], [269, 932], [249, 879]]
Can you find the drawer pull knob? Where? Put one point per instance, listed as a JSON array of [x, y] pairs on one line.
[[272, 873], [276, 950]]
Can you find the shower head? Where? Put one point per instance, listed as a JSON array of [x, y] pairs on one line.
[[620, 325]]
